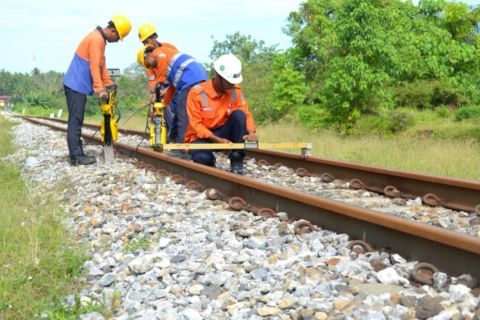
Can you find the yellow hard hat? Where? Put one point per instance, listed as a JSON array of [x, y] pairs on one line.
[[145, 31], [122, 25], [141, 55]]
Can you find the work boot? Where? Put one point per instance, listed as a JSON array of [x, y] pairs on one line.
[[182, 154], [82, 160], [236, 166]]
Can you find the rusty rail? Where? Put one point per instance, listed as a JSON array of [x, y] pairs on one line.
[[451, 252], [456, 194]]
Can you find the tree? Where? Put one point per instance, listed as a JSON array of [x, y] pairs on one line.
[[288, 90], [256, 60]]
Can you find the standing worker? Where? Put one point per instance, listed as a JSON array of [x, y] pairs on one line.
[[87, 74], [176, 73], [218, 112]]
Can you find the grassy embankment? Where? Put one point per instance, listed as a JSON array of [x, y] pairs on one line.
[[38, 257]]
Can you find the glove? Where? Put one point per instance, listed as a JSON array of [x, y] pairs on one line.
[[112, 87]]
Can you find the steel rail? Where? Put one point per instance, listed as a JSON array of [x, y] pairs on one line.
[[456, 194], [450, 251]]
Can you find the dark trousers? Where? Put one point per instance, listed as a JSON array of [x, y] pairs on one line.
[[76, 109], [179, 117], [234, 130]]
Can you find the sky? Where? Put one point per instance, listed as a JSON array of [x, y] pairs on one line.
[[45, 34]]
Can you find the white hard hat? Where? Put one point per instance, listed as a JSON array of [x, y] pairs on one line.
[[229, 68]]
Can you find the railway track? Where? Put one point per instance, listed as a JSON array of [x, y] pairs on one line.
[[414, 240]]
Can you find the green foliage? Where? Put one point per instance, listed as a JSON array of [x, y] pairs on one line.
[[431, 7], [417, 94], [313, 116], [246, 48], [443, 112], [5, 134], [59, 311], [399, 121], [362, 57], [468, 112], [256, 60], [385, 124], [132, 87], [39, 257], [45, 90], [288, 89], [137, 243]]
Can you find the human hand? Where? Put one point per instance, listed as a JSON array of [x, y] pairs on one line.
[[217, 139], [152, 97], [112, 87], [102, 95], [250, 136]]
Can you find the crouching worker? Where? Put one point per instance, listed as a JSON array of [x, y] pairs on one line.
[[218, 112]]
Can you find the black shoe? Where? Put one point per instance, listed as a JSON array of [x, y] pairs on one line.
[[236, 166], [82, 160]]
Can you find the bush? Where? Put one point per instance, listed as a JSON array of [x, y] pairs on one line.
[[443, 112], [428, 94], [312, 116], [467, 113], [416, 94], [399, 121], [385, 124]]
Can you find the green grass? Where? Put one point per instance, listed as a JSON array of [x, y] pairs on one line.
[[39, 111], [129, 120], [457, 158], [39, 258]]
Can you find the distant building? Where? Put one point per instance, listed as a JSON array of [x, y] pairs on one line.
[[4, 101]]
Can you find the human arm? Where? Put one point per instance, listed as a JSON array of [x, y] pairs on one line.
[[195, 117], [243, 105], [96, 55]]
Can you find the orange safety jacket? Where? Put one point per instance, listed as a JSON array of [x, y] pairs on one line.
[[151, 75], [175, 71], [208, 111], [87, 72]]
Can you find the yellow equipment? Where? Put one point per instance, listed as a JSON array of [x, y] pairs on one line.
[[158, 127], [109, 126], [158, 136]]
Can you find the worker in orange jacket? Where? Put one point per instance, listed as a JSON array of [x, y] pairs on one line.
[[147, 33], [175, 73], [218, 112], [87, 74]]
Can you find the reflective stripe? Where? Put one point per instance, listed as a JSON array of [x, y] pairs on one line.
[[205, 105], [172, 62], [152, 77], [204, 98], [179, 73]]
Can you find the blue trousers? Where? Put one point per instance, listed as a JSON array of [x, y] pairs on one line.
[[76, 110], [177, 117], [234, 130]]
